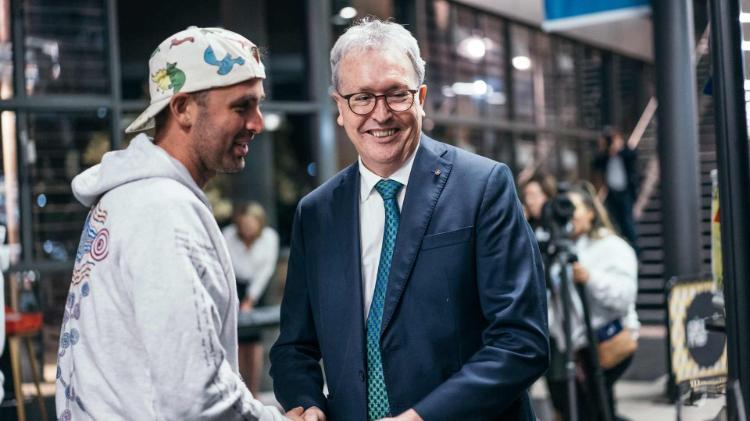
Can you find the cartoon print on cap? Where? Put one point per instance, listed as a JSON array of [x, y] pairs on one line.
[[175, 42], [225, 65], [169, 77]]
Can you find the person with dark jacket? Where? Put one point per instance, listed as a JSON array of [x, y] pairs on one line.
[[615, 164], [413, 274]]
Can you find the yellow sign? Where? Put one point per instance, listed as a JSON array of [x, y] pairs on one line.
[[697, 353]]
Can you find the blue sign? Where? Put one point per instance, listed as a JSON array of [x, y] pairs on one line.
[[567, 14]]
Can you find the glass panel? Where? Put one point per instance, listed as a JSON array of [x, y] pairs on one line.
[[294, 168], [494, 144], [630, 89], [591, 89], [287, 59], [440, 57], [278, 27], [6, 52], [465, 62], [525, 150], [560, 84], [60, 146], [494, 66], [467, 86], [523, 80], [66, 47]]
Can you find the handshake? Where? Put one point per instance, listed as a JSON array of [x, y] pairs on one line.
[[314, 413]]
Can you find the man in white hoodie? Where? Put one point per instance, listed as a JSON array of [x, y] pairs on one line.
[[150, 325]]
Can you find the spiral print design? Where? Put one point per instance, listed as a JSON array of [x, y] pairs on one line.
[[100, 245]]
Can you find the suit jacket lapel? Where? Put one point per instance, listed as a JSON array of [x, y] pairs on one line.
[[347, 244], [428, 175]]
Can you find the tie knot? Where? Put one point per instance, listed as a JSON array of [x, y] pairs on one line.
[[388, 188]]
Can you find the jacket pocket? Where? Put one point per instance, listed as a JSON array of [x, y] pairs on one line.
[[443, 239]]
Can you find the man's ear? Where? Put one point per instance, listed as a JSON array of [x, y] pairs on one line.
[[422, 95], [183, 109], [338, 100]]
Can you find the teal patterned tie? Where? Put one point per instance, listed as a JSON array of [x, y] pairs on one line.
[[377, 397]]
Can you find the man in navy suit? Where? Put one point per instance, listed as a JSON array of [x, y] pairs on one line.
[[413, 274]]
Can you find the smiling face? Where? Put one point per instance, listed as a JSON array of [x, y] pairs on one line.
[[384, 139], [227, 121]]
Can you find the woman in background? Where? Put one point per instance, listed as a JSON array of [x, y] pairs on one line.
[[254, 250], [608, 268], [534, 195]]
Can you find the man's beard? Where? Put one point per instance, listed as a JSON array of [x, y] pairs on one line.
[[206, 132]]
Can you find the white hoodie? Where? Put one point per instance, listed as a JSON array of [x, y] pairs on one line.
[[150, 324]]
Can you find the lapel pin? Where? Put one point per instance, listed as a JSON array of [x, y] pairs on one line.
[[437, 171]]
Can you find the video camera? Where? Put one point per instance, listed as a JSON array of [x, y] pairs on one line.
[[556, 226]]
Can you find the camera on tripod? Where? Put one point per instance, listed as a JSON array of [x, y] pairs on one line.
[[556, 228]]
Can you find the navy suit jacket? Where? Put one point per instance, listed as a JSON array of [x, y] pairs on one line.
[[464, 330]]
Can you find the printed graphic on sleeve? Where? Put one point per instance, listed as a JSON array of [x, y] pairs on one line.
[[93, 248]]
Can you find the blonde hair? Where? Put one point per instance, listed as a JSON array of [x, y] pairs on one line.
[[601, 225], [253, 209]]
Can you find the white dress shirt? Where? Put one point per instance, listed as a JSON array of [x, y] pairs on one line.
[[372, 221], [255, 264]]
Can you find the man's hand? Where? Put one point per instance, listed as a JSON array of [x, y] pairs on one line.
[[580, 274], [295, 414], [410, 415], [313, 413]]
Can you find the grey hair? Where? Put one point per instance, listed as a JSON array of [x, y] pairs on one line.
[[373, 33]]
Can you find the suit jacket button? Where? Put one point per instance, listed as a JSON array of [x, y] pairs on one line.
[[361, 375]]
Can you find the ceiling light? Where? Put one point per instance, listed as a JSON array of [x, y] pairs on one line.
[[476, 88], [521, 62], [271, 122], [473, 48], [348, 12]]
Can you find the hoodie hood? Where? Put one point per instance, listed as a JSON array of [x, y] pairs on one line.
[[141, 160]]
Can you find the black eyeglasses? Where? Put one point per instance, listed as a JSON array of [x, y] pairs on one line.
[[362, 103]]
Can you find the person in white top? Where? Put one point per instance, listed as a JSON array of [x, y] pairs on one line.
[[254, 249], [608, 268], [149, 328]]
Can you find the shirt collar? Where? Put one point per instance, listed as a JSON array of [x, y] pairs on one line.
[[369, 179]]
